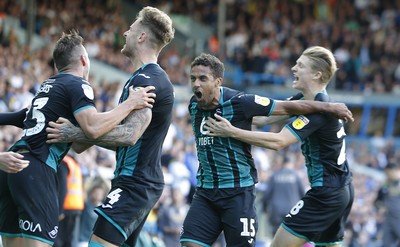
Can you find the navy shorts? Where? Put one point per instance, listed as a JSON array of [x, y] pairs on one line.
[[320, 216], [215, 210], [123, 213], [29, 202]]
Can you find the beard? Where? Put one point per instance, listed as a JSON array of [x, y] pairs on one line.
[[127, 52]]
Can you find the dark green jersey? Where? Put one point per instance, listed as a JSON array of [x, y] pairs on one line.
[[143, 160], [323, 146], [227, 162], [62, 95]]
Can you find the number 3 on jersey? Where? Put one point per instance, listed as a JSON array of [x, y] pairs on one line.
[[38, 115]]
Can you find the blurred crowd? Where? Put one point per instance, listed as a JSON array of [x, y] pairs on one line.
[[267, 37], [262, 37]]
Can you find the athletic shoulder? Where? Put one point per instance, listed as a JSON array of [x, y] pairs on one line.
[[323, 97], [229, 93]]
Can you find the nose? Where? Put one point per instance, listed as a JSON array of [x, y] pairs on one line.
[[125, 34], [195, 82]]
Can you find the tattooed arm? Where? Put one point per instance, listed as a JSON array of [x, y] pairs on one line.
[[126, 134]]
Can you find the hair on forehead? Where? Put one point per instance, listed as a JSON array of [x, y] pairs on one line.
[[216, 66]]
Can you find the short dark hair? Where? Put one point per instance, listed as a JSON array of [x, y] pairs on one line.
[[67, 50], [208, 60]]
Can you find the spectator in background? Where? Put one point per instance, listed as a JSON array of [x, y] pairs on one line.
[[284, 189], [171, 216], [96, 191], [71, 202], [388, 199]]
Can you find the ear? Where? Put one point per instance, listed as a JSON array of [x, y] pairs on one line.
[[219, 81], [83, 60], [142, 37], [317, 75]]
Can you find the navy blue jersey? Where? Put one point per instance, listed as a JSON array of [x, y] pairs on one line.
[[227, 162], [62, 95], [143, 160], [323, 146]]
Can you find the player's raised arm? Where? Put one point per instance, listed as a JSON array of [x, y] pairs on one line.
[[223, 128], [126, 134], [303, 107], [13, 118]]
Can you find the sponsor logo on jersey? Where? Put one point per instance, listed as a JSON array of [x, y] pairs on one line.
[[264, 101], [300, 122], [54, 232], [88, 91], [29, 226], [205, 140], [145, 76]]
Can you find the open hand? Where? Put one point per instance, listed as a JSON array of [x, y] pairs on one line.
[[11, 162], [61, 131], [218, 127], [141, 97], [341, 111]]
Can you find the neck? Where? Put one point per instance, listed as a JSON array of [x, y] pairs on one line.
[[74, 72], [214, 102], [309, 94], [143, 58]]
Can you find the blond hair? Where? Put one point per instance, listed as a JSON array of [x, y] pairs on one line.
[[322, 60], [159, 24]]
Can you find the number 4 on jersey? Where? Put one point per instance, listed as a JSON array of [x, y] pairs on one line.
[[114, 197]]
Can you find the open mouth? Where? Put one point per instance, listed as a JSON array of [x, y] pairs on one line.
[[198, 94]]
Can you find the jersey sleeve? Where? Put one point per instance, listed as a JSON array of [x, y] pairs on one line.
[[304, 125], [82, 96], [141, 81], [13, 118], [255, 105]]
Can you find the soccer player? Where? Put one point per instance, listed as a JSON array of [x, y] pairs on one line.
[[29, 198], [225, 193], [138, 181], [320, 216]]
